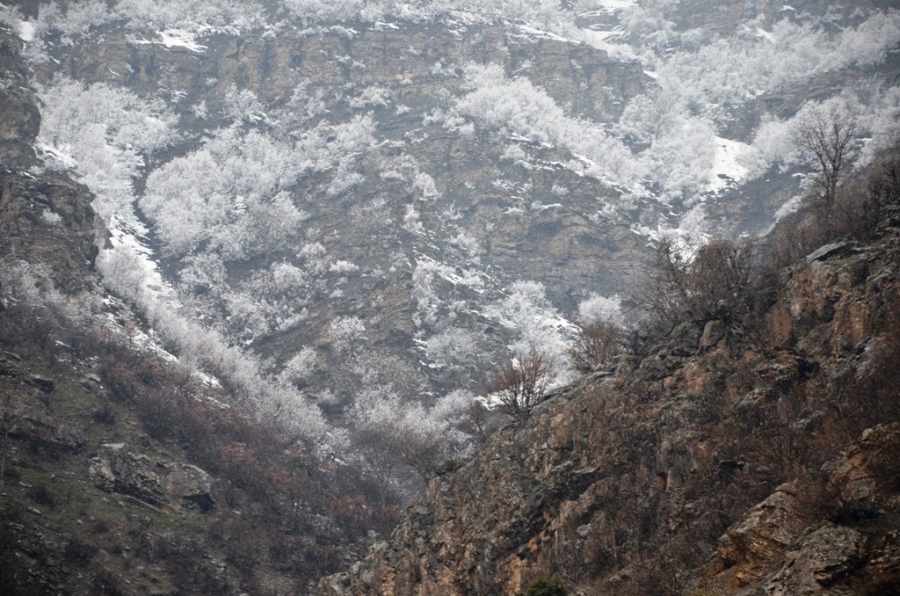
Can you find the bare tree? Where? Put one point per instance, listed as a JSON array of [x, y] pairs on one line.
[[522, 382], [714, 283], [596, 343], [719, 282], [828, 134], [663, 292]]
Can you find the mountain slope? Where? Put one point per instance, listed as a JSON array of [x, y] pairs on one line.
[[738, 462], [325, 226], [122, 470]]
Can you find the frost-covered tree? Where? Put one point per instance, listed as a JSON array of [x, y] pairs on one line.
[[536, 324], [601, 333], [394, 433], [123, 272], [242, 105], [597, 308], [411, 221], [190, 14], [106, 134], [453, 348], [827, 134], [346, 333], [427, 281], [516, 106], [267, 225], [299, 367], [648, 117], [204, 273]]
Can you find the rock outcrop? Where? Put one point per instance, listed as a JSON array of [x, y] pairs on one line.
[[122, 469], [715, 447], [20, 118], [45, 218], [786, 547]]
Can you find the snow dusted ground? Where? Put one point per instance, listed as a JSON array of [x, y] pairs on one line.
[[727, 169], [175, 38], [26, 31], [129, 239]]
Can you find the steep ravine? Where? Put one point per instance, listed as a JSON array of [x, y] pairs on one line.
[[716, 464], [744, 461]]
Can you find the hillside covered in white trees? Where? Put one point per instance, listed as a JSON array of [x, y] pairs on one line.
[[352, 215]]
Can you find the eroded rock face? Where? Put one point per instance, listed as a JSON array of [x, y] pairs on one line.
[[420, 66], [271, 65], [20, 119], [160, 482], [764, 534], [862, 476], [48, 217], [630, 481], [823, 558], [778, 543]]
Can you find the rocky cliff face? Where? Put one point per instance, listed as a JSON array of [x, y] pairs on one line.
[[715, 464], [433, 185], [45, 219], [399, 57], [416, 69], [435, 207], [21, 120], [492, 218]]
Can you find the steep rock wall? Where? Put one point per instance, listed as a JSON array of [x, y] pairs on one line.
[[632, 479], [45, 217]]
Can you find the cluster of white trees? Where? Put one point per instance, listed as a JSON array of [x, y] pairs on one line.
[[107, 133], [547, 13], [429, 278], [875, 128], [672, 130], [536, 326], [516, 107], [392, 431], [75, 19], [732, 70], [236, 186]]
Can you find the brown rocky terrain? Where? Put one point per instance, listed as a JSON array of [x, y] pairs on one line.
[[723, 459]]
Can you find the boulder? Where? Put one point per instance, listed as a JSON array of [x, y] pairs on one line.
[[684, 339], [157, 481], [43, 383], [828, 251], [824, 557], [41, 429], [865, 474], [713, 332], [762, 536]]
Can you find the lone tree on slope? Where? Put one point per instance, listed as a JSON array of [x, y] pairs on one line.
[[522, 382], [827, 134]]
